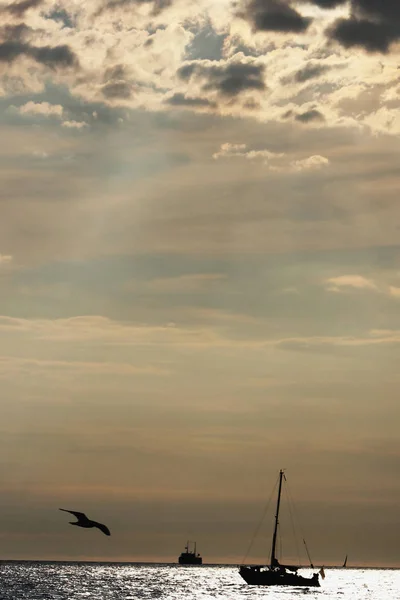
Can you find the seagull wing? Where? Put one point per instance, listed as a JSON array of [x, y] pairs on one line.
[[102, 527], [76, 514]]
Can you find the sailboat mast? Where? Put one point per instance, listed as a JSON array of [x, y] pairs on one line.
[[273, 557]]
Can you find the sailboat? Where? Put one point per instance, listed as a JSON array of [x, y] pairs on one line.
[[275, 573], [345, 563]]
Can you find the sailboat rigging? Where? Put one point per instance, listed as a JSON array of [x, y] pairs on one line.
[[276, 573]]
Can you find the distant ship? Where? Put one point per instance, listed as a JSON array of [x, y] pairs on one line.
[[189, 557]]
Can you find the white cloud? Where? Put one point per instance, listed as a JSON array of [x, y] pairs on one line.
[[12, 364], [40, 154], [394, 291], [372, 338], [74, 124], [5, 259], [346, 282], [228, 150], [276, 161], [108, 332], [41, 108], [312, 162], [337, 284]]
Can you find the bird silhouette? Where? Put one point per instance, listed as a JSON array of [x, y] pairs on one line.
[[83, 521]]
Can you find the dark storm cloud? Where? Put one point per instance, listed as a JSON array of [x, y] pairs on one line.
[[116, 85], [115, 73], [187, 71], [373, 25], [310, 71], [328, 3], [117, 89], [373, 37], [275, 15], [229, 80], [51, 56], [56, 56], [18, 9], [179, 99], [157, 5], [309, 116], [14, 33]]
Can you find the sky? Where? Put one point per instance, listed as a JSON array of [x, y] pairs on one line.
[[199, 276]]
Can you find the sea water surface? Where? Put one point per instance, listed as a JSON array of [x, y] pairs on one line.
[[83, 581]]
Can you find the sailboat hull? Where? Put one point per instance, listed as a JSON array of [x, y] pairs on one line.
[[269, 577]]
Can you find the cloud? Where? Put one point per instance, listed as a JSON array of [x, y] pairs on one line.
[[14, 33], [18, 9], [375, 337], [361, 32], [328, 3], [394, 291], [272, 159], [373, 25], [74, 124], [312, 162], [275, 15], [180, 99], [309, 116], [11, 365], [157, 6], [5, 259], [50, 56], [336, 284], [103, 330], [358, 282], [228, 150], [228, 62], [111, 335], [117, 89], [310, 71], [41, 108], [229, 79]]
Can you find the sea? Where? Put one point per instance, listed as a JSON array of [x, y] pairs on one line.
[[116, 581]]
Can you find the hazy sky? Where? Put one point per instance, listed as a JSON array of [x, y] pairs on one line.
[[200, 275]]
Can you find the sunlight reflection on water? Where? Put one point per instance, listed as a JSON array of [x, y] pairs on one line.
[[63, 581]]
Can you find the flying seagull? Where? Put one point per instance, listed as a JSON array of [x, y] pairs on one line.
[[83, 521]]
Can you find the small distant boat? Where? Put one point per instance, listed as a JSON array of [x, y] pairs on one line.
[[275, 573], [190, 557], [345, 563]]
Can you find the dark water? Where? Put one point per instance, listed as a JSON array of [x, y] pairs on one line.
[[73, 581]]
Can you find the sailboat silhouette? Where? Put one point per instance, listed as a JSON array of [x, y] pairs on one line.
[[276, 573]]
